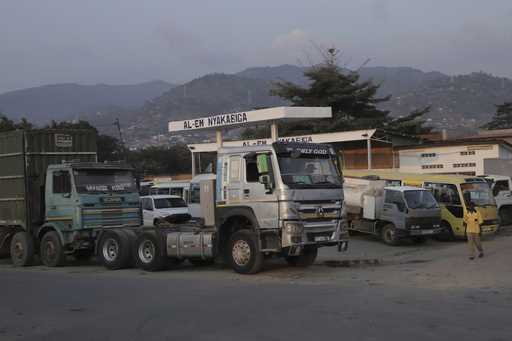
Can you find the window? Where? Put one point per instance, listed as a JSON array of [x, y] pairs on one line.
[[428, 155], [464, 165], [395, 197], [195, 194], [432, 166], [147, 204], [177, 191], [169, 203], [501, 185], [469, 152], [444, 193], [162, 191], [61, 182], [234, 168], [251, 170]]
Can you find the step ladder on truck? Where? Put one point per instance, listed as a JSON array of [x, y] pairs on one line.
[[278, 199]]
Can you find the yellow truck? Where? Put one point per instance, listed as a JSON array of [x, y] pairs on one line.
[[452, 192]]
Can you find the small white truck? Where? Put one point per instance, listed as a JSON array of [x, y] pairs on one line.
[[501, 186], [390, 212]]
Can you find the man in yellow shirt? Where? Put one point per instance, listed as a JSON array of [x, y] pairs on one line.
[[473, 220]]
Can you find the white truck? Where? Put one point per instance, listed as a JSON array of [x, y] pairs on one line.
[[390, 212], [270, 200], [501, 186]]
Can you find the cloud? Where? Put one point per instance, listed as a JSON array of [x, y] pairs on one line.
[[295, 39]]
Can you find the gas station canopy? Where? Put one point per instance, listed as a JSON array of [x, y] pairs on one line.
[[245, 118]]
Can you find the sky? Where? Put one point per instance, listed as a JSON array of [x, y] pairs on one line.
[[131, 41]]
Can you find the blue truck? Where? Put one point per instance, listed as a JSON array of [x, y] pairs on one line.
[[57, 201]]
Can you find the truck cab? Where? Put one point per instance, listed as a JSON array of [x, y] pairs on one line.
[[82, 201], [391, 212], [501, 186], [289, 194]]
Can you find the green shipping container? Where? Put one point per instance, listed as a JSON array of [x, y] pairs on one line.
[[24, 158]]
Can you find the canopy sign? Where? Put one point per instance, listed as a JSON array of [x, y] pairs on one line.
[[248, 117]]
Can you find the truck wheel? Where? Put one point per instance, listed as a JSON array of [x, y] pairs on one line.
[[244, 253], [51, 250], [388, 235], [114, 250], [22, 249], [148, 253], [201, 262], [305, 259]]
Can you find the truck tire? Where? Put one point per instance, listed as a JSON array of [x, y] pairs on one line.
[[148, 253], [307, 258], [114, 250], [51, 250], [22, 249], [244, 252], [201, 262], [388, 235]]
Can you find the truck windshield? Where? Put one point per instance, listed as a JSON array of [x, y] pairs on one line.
[[104, 181], [169, 203], [420, 199], [309, 172], [478, 192]]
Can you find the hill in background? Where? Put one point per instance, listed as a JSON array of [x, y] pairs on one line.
[[67, 101]]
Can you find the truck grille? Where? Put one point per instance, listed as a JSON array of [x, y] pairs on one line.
[[319, 217], [111, 217]]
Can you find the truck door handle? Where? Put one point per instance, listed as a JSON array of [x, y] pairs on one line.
[[247, 191]]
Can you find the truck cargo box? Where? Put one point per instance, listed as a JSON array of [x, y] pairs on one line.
[[24, 158]]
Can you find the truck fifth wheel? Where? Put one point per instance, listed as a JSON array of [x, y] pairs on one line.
[[282, 199]]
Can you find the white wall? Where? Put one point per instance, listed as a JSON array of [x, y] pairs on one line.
[[449, 157]]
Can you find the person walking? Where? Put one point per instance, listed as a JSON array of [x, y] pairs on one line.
[[473, 220]]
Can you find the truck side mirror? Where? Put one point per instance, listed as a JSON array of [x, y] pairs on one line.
[[266, 181]]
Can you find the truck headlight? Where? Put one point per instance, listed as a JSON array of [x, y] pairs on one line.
[[293, 228], [436, 226], [415, 227]]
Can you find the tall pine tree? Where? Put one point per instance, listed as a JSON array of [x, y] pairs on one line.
[[353, 102], [503, 117]]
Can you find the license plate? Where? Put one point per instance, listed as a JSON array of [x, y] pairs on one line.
[[422, 232], [321, 239]]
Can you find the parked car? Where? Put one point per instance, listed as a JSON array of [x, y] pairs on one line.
[[161, 210]]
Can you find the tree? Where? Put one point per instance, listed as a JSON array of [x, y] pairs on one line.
[[503, 117], [353, 102], [109, 148], [7, 124]]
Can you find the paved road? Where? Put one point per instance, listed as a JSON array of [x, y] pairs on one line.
[[393, 301]]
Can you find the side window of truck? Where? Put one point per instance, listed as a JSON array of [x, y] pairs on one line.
[[234, 168], [251, 170], [61, 182], [395, 197], [147, 205], [501, 185]]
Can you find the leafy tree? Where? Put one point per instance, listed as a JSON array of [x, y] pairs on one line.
[[353, 102], [110, 149], [6, 124], [503, 117], [72, 125]]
